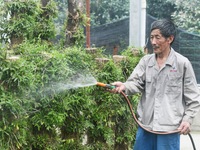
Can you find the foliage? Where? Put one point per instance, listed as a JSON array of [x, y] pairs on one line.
[[78, 36], [133, 56], [27, 20], [187, 15], [41, 106], [184, 13], [160, 9], [107, 11], [40, 111], [62, 9]]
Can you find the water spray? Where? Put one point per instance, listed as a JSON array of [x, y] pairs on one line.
[[109, 86]]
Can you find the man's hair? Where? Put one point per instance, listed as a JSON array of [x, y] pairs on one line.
[[166, 27]]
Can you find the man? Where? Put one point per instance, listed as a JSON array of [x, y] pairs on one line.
[[170, 96]]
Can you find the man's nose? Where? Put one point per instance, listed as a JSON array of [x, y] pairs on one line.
[[153, 41]]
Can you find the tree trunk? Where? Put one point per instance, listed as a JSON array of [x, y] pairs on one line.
[[73, 21], [15, 39], [45, 11], [44, 2]]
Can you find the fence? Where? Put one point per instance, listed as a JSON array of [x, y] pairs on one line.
[[111, 35]]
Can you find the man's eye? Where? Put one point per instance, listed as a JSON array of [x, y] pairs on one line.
[[157, 37]]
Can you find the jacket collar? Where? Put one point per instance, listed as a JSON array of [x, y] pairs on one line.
[[169, 61]]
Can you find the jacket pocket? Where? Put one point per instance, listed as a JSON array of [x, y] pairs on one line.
[[174, 83]]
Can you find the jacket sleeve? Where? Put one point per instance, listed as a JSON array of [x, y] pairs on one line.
[[191, 94], [136, 81]]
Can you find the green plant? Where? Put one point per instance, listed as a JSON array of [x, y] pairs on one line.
[[40, 111], [22, 20], [107, 11], [183, 13], [154, 8]]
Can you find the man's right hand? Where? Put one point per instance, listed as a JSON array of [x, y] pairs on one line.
[[120, 87]]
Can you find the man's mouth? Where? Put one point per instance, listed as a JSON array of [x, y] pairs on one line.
[[155, 47]]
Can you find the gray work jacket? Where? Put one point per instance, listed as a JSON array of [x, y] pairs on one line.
[[169, 94]]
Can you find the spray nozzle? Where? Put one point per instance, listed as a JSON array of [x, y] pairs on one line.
[[106, 85]]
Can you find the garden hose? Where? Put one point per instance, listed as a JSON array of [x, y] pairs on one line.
[[109, 86]]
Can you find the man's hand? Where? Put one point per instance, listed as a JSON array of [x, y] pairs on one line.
[[119, 87], [184, 127]]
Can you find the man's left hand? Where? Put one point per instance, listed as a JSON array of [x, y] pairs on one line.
[[184, 127]]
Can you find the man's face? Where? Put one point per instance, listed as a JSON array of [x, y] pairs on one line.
[[159, 43]]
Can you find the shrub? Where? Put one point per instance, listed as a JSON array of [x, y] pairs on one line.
[[47, 103]]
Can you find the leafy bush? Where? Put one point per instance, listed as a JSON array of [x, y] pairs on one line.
[[48, 97], [43, 107], [22, 20]]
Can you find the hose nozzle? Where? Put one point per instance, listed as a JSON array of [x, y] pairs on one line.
[[106, 85]]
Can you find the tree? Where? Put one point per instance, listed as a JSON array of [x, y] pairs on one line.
[[187, 14], [74, 22], [29, 20], [160, 9], [17, 16], [45, 20], [107, 11]]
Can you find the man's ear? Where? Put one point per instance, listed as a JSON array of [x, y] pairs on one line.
[[170, 39]]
